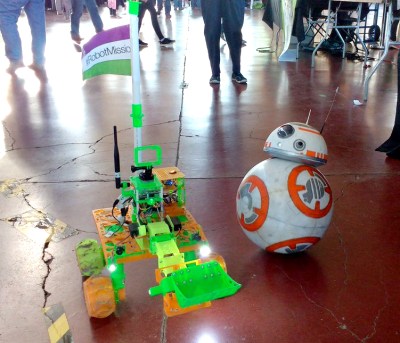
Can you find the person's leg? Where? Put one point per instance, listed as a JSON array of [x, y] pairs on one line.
[[233, 17], [154, 21], [94, 14], [112, 6], [59, 7], [77, 8], [35, 11], [168, 8], [9, 31], [159, 6], [12, 40], [393, 30], [142, 10], [395, 24], [123, 4], [211, 11], [392, 145], [68, 8]]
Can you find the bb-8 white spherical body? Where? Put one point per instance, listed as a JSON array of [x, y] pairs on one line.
[[284, 204]]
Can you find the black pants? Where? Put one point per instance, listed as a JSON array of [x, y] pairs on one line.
[[149, 5], [231, 14]]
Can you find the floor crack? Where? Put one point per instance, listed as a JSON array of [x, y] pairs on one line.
[[378, 315], [9, 134], [47, 258], [340, 323], [164, 329]]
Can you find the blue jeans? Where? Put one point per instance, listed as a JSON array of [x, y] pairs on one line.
[[196, 3], [77, 8], [167, 6], [178, 4], [9, 14]]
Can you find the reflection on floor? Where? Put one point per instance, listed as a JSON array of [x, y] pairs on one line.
[[56, 166]]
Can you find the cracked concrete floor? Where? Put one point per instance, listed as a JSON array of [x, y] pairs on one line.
[[56, 167]]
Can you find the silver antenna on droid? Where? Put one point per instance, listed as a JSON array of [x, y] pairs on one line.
[[330, 109], [308, 118]]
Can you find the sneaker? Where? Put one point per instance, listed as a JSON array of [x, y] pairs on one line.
[[37, 67], [39, 70], [166, 41], [238, 78], [14, 65], [141, 43], [77, 47], [76, 38], [215, 80]]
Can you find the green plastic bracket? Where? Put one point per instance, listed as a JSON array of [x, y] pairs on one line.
[[181, 192], [198, 284], [190, 256], [126, 190], [134, 7], [117, 275], [137, 115], [156, 162]]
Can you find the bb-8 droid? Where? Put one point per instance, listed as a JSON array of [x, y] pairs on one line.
[[284, 204]]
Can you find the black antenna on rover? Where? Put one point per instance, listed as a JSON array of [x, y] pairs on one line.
[[117, 167], [330, 109]]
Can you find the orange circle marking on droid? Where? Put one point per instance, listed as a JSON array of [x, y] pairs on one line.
[[261, 213], [296, 190], [292, 243]]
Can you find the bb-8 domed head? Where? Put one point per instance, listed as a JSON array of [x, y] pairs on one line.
[[297, 142]]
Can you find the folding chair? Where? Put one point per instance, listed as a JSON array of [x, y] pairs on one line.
[[316, 20], [340, 19], [349, 25]]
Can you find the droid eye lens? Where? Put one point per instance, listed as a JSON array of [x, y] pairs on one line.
[[285, 131], [299, 145]]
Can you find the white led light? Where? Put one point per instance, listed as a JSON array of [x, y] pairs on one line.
[[206, 338], [112, 268], [205, 251]]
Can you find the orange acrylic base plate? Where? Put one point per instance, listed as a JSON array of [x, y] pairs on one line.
[[104, 219]]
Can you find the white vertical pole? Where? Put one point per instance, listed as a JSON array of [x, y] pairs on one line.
[[135, 68]]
